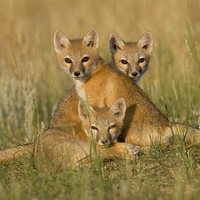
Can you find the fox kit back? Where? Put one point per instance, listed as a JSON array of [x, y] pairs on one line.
[[131, 58]]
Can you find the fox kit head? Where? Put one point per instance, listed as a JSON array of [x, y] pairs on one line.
[[102, 124], [132, 58], [77, 57]]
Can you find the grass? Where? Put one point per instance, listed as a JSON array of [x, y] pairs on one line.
[[32, 83]]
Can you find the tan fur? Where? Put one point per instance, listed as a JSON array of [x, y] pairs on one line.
[[144, 124], [66, 113], [131, 58], [80, 56], [102, 124]]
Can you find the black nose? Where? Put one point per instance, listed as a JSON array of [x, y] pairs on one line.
[[104, 141], [134, 74], [77, 73]]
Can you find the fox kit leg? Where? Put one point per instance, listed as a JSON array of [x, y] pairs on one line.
[[190, 134], [125, 149]]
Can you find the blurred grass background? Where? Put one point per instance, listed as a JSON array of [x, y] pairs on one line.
[[32, 83]]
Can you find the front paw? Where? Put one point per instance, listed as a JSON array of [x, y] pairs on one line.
[[131, 150]]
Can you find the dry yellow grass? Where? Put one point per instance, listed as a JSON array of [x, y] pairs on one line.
[[32, 83]]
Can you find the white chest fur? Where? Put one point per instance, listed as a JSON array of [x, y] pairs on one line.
[[81, 93]]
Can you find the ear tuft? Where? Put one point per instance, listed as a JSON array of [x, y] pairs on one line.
[[60, 41], [115, 42], [146, 42], [84, 110], [91, 39]]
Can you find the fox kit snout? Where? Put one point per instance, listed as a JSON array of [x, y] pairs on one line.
[[102, 124], [131, 58]]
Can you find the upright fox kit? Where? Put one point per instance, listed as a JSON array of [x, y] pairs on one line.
[[131, 58], [78, 58], [144, 124]]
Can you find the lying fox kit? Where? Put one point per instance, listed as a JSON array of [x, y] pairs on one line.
[[131, 58], [77, 57], [102, 124]]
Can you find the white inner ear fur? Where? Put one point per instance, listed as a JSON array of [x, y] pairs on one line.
[[115, 42], [60, 41], [146, 41], [92, 38], [119, 108]]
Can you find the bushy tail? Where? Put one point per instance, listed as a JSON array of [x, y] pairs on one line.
[[190, 134], [16, 152]]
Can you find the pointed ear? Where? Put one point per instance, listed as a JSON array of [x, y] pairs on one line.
[[119, 108], [91, 39], [146, 42], [115, 42], [60, 41], [84, 110]]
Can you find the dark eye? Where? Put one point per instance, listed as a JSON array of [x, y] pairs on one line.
[[94, 128], [112, 126], [67, 60], [124, 62], [85, 59], [141, 60]]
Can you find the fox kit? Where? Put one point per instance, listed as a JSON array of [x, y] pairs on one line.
[[144, 124], [63, 149], [131, 58], [103, 124], [78, 57]]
